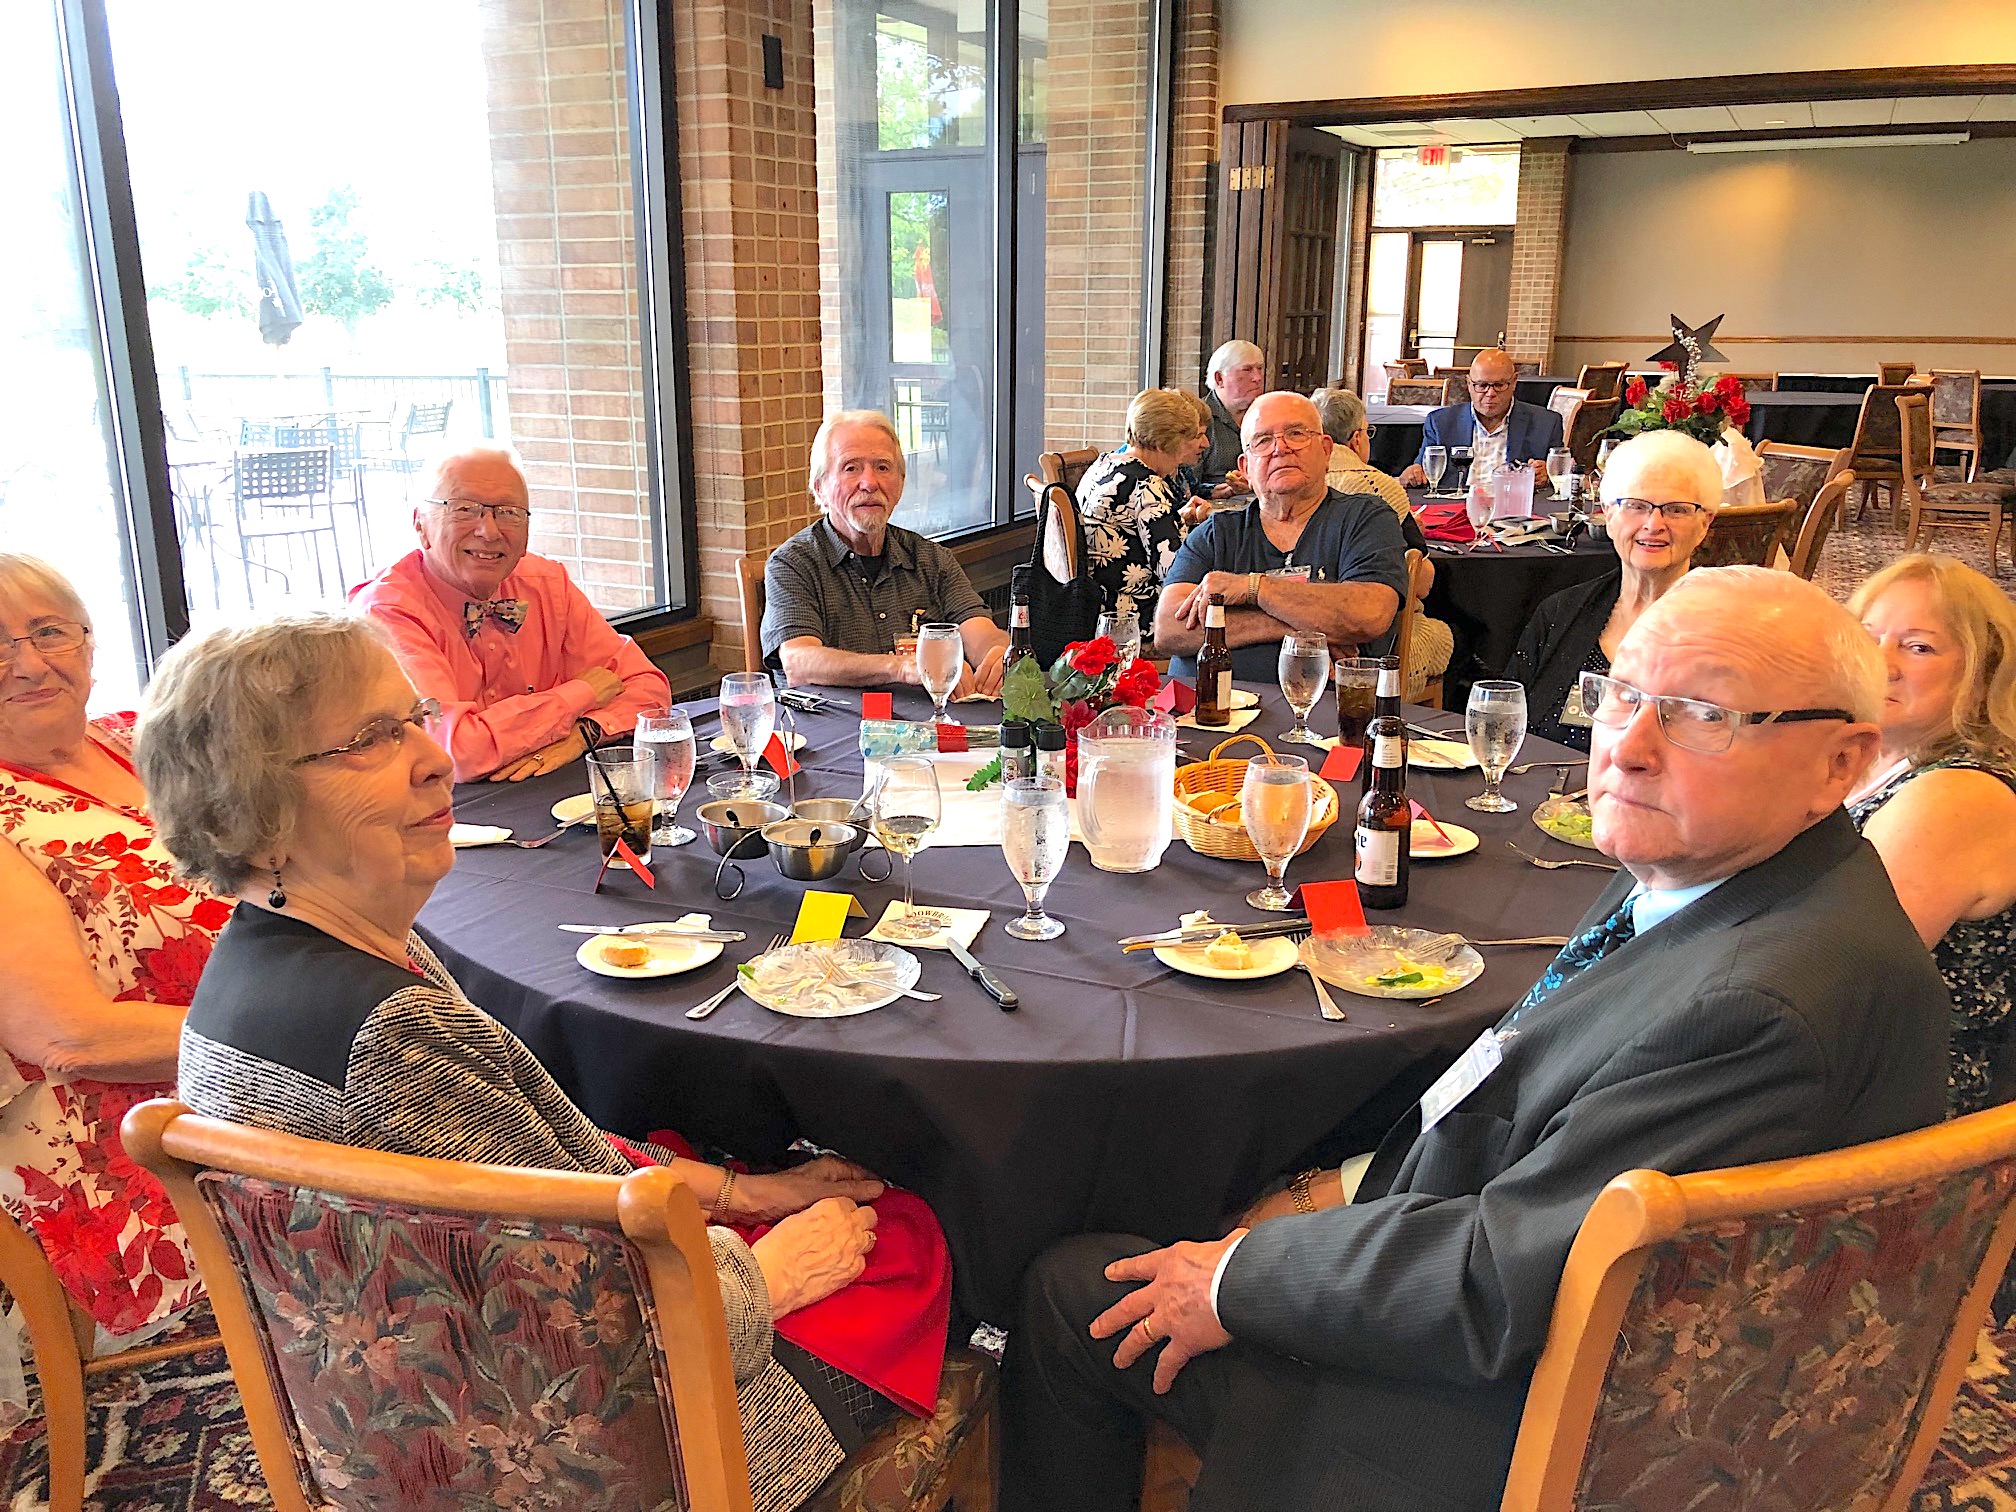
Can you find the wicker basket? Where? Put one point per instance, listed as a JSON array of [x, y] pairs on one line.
[[1205, 788]]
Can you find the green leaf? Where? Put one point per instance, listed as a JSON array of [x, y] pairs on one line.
[[1025, 695], [986, 777]]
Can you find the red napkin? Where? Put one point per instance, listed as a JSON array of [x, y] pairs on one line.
[[779, 758], [1446, 522], [878, 706], [629, 858], [887, 1326], [1341, 765], [951, 737], [1333, 907]]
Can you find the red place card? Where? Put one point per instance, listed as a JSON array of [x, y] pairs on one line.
[[780, 759], [629, 858], [1341, 765], [1178, 698], [1418, 814], [1333, 907], [878, 706]]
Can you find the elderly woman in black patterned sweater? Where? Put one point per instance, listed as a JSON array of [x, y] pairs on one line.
[[290, 764]]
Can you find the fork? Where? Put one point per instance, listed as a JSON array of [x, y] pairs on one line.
[[549, 839], [722, 996], [1533, 860]]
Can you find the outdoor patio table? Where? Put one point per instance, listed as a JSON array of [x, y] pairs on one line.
[[1123, 1095]]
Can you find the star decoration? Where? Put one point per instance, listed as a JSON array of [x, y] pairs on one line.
[[1690, 347]]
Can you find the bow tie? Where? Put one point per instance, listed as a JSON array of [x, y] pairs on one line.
[[509, 613]]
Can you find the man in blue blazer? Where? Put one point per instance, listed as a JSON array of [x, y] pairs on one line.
[[1747, 989], [1495, 426]]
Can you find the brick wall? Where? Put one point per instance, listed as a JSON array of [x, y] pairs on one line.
[[1193, 189], [560, 176], [750, 223], [1536, 249]]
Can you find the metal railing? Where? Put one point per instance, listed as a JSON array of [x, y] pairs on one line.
[[480, 394]]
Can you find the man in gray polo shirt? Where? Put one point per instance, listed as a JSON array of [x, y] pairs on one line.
[[840, 597]]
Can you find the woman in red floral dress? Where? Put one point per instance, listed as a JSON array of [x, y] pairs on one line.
[[100, 948]]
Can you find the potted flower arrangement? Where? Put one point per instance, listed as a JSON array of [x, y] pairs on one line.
[[1086, 678], [1683, 403]]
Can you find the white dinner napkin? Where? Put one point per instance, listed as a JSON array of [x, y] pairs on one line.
[[462, 836], [965, 927]]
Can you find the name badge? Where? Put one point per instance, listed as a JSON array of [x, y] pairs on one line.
[[1292, 572], [1572, 712], [1461, 1079]]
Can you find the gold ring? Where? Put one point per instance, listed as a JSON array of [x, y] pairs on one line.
[[1147, 1333]]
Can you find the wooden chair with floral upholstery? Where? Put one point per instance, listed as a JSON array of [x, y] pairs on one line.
[[1895, 373], [1798, 472], [1067, 467], [1582, 434], [1748, 535], [428, 1334], [64, 1339], [1821, 516], [1876, 454], [1603, 380], [1433, 391], [1755, 383], [1956, 415], [1800, 1325], [1981, 505], [1457, 381], [1399, 367], [749, 598]]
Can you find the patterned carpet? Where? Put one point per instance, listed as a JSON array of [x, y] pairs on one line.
[[173, 1439], [1858, 548]]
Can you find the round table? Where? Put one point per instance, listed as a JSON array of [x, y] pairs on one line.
[[1123, 1095]]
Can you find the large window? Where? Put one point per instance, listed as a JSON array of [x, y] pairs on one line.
[[365, 235], [982, 192]]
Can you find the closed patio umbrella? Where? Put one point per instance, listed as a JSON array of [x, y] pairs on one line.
[[273, 266]]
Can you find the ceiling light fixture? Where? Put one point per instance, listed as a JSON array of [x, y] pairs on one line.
[[1798, 144]]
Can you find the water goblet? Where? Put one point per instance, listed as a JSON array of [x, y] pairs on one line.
[[1495, 723], [748, 717], [1035, 833], [1435, 462], [1275, 800], [1304, 669], [1124, 630], [905, 809], [1560, 463], [666, 742], [941, 656]]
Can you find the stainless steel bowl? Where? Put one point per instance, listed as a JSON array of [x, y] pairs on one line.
[[730, 822], [809, 851], [840, 811]]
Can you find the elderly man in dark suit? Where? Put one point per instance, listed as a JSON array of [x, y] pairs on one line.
[[1748, 989], [1495, 425]]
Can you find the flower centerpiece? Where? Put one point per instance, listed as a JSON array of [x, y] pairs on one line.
[[1683, 403], [1085, 679]]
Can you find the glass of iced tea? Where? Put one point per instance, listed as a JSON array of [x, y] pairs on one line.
[[1357, 680], [619, 780]]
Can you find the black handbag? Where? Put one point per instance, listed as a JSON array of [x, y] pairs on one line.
[[1059, 613]]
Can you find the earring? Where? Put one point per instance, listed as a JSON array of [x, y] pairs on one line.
[[277, 899]]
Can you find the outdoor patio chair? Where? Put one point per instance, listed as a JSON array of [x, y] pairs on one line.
[[283, 495]]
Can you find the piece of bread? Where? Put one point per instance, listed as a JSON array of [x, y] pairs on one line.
[[1228, 952], [618, 952]]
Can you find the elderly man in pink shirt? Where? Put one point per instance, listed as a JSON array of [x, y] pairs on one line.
[[512, 649]]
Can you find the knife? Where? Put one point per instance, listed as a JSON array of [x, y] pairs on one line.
[[993, 985], [657, 931]]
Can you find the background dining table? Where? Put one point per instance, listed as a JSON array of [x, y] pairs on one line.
[[1124, 1095]]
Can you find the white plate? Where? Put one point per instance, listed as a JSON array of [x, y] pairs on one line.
[[1441, 755], [1270, 958], [1245, 698], [463, 836], [573, 810], [1348, 961], [669, 956], [1557, 806], [1429, 846], [793, 741], [852, 955]]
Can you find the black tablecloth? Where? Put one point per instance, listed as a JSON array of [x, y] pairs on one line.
[[1396, 434], [1122, 1096], [1806, 413], [1486, 597]]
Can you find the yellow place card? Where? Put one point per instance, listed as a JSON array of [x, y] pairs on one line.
[[823, 915]]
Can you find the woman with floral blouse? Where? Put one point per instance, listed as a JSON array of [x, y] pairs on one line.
[[100, 948], [1128, 507]]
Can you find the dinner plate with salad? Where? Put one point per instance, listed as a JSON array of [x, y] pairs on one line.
[[1387, 961], [1567, 820]]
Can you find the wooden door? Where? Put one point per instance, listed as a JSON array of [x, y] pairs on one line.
[[1277, 246]]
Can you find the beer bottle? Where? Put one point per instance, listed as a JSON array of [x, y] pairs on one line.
[[1385, 822], [1019, 644], [1385, 705], [1214, 669]]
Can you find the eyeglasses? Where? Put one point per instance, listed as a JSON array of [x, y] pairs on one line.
[[58, 638], [1638, 509], [1293, 439], [468, 511], [1693, 724], [1489, 388], [382, 734]]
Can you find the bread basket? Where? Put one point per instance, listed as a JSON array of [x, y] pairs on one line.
[[1207, 789]]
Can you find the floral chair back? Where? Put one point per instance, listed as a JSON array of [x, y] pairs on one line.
[[1800, 1326]]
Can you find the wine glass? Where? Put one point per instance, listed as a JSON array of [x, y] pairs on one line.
[[1560, 463], [1495, 722], [1603, 449], [1304, 669], [1124, 630], [941, 656], [1275, 799], [906, 810], [666, 742], [1035, 832], [748, 718], [1459, 459], [1435, 462]]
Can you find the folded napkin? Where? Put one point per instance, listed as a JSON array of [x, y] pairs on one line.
[[1240, 719], [461, 836], [965, 927], [1446, 522]]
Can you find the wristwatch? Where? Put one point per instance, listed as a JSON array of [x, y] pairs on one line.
[[1298, 1191]]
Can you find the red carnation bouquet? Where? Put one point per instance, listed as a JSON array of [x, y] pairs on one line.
[[1084, 681], [1698, 409]]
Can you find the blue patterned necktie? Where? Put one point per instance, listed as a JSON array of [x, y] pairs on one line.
[[1580, 953], [509, 613]]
